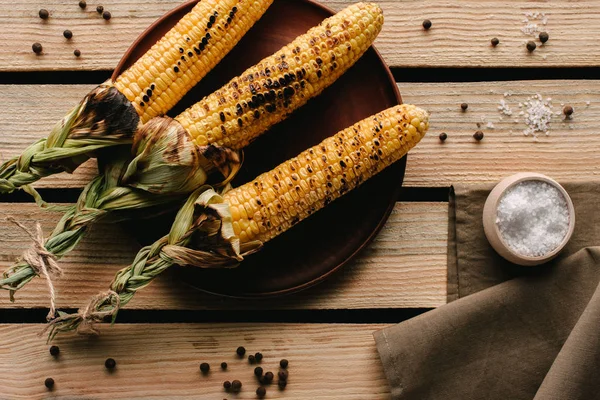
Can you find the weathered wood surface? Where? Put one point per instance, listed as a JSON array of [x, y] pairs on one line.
[[460, 35], [405, 266], [158, 361], [569, 153]]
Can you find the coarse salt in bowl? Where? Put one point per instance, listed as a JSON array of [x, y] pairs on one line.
[[528, 218]]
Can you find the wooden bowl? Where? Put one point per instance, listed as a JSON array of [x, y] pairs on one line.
[[322, 244], [491, 227]]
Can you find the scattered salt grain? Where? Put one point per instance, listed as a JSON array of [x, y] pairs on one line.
[[530, 29], [531, 19], [504, 108], [533, 218], [537, 115], [490, 125], [587, 103]]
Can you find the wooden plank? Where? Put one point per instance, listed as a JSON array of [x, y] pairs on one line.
[[404, 267], [157, 361], [567, 154], [460, 36]]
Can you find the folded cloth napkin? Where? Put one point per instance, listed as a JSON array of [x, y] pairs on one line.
[[515, 332]]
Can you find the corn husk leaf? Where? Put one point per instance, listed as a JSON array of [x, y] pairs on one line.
[[168, 161], [104, 118]]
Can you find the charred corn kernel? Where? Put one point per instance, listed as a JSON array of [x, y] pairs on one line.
[[264, 94], [376, 142], [187, 53]]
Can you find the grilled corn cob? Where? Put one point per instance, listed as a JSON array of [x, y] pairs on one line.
[[218, 231], [277, 200], [110, 114], [264, 94]]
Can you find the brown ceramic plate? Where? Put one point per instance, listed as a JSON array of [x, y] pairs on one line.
[[319, 246]]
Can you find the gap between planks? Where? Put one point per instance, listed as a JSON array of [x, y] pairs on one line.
[[404, 267], [460, 35], [157, 361], [568, 154]]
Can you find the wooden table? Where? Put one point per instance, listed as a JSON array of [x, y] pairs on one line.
[[325, 332]]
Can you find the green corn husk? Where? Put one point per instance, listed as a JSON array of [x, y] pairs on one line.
[[201, 235], [166, 168], [104, 118]]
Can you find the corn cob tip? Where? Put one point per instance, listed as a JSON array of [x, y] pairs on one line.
[[418, 118]]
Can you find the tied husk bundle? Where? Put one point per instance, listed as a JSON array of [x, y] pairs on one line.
[[104, 118], [165, 168], [201, 236]]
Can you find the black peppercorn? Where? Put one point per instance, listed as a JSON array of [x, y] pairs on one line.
[[478, 135], [544, 37], [54, 350], [100, 9], [258, 357], [49, 383], [268, 378], [464, 106], [204, 367], [261, 392], [531, 46], [44, 14], [223, 366], [37, 48], [110, 363], [68, 34], [495, 42], [427, 24], [258, 371], [77, 53], [241, 351], [282, 375], [82, 4], [443, 136], [568, 110], [251, 359], [282, 384], [284, 363], [106, 15], [236, 385], [227, 385]]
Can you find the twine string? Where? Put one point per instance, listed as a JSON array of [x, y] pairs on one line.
[[43, 262]]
